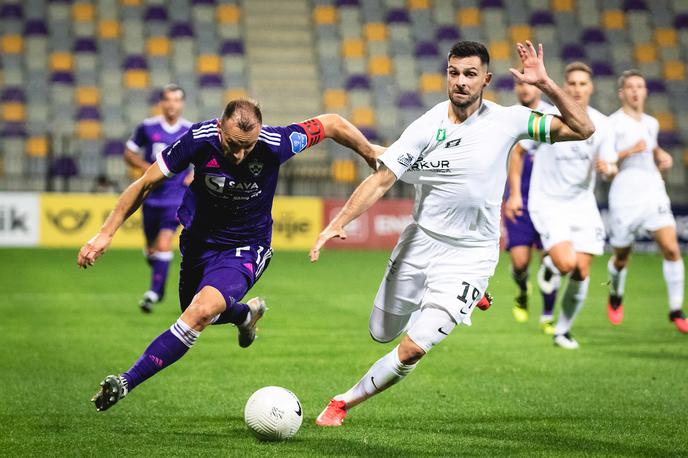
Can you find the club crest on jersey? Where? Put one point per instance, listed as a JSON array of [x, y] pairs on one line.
[[255, 168], [406, 160], [441, 135], [298, 142], [452, 143]]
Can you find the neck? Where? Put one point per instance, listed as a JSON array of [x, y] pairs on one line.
[[457, 115], [171, 120], [532, 105], [632, 112]]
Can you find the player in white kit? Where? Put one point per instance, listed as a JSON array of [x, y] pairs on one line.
[[638, 200], [563, 206], [456, 157]]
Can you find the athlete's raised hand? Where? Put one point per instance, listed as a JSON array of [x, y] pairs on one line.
[[93, 249], [534, 71], [327, 234]]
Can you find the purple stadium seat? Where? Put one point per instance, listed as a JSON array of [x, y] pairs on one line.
[[370, 134], [655, 85], [63, 166], [397, 15], [426, 49], [202, 2], [634, 5], [135, 62], [113, 148], [13, 129], [62, 78], [85, 44], [154, 96], [541, 17], [410, 100], [669, 139], [593, 35], [681, 21], [88, 112], [347, 2], [12, 94], [504, 83], [34, 27], [572, 51], [357, 82], [181, 30], [448, 32], [11, 11], [602, 68], [156, 13], [491, 4], [210, 80], [232, 47]]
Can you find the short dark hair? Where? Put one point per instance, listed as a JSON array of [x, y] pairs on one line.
[[577, 67], [468, 49], [247, 113], [172, 88], [627, 74]]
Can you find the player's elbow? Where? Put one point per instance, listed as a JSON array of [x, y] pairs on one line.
[[587, 130], [333, 124]]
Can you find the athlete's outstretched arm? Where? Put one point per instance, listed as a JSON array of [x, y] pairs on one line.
[[514, 204], [574, 123], [363, 197], [343, 132], [129, 201]]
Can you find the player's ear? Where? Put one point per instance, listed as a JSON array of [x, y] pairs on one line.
[[488, 79]]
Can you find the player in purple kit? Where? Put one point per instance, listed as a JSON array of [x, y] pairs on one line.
[[160, 208], [226, 215]]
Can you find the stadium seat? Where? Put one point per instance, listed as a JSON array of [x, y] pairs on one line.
[[234, 94], [136, 79], [613, 19], [88, 129], [432, 82], [334, 99], [353, 47], [13, 112], [500, 50], [208, 63], [37, 146], [520, 33], [158, 46], [375, 31], [324, 14], [12, 44], [559, 6], [87, 96], [666, 37], [109, 29], [82, 12], [344, 170], [379, 66], [468, 17], [667, 121], [363, 116], [646, 52], [675, 71]]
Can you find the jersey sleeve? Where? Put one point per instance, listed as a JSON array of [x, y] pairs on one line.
[[607, 150], [138, 139], [288, 141], [404, 152], [177, 157], [531, 124]]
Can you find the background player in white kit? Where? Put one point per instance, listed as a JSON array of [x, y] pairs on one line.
[[456, 156], [638, 200], [562, 203]]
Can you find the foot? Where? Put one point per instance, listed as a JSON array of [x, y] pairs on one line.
[[547, 324], [112, 389], [247, 332], [520, 309], [548, 280], [485, 302], [679, 319], [147, 302], [333, 415], [565, 341]]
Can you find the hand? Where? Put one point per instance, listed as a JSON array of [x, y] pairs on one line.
[[327, 234], [93, 249], [639, 147], [602, 166], [513, 207], [664, 161], [534, 71]]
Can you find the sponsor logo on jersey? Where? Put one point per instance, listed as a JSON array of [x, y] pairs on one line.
[[435, 166], [212, 164], [227, 188], [406, 160], [441, 135], [255, 167], [298, 142], [452, 143]]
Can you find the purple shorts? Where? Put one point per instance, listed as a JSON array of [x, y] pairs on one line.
[[230, 270], [522, 232], [156, 219]]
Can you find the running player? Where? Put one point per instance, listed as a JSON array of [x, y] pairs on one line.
[[456, 156], [634, 208], [521, 235], [160, 208], [226, 214], [562, 202]]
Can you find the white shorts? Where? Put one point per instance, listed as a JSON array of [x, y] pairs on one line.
[[574, 220], [426, 272], [627, 221]]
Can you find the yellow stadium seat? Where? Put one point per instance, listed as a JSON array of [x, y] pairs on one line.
[[130, 2], [667, 121], [88, 130], [158, 46], [380, 66], [613, 19], [685, 157], [334, 99], [500, 50], [325, 15], [155, 110], [235, 93], [646, 52], [109, 29], [136, 79], [468, 17], [353, 47], [12, 44], [363, 116], [674, 70], [227, 14], [489, 95], [666, 37], [375, 31], [343, 170], [432, 82], [562, 5], [37, 146], [208, 63], [82, 12], [520, 33], [13, 112], [418, 4], [61, 61], [87, 95]]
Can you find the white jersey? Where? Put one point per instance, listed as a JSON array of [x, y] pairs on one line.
[[638, 167], [567, 170], [459, 170]]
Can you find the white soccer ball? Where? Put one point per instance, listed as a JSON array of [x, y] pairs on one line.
[[273, 413]]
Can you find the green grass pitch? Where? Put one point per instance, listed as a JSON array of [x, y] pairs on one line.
[[496, 388]]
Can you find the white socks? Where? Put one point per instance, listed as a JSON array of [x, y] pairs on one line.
[[617, 278], [674, 276], [185, 333], [387, 371], [574, 297]]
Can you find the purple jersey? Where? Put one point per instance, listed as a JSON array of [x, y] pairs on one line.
[[151, 137], [229, 204]]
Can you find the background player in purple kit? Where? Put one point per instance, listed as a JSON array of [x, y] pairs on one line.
[[160, 208], [226, 215], [521, 234]]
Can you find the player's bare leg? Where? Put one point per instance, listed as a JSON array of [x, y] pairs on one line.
[[566, 260], [616, 268], [520, 260], [159, 258], [674, 275]]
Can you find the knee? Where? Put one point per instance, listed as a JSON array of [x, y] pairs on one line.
[[409, 352], [200, 313], [671, 252], [565, 264], [379, 333]]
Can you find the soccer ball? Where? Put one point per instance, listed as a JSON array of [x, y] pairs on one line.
[[273, 414]]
